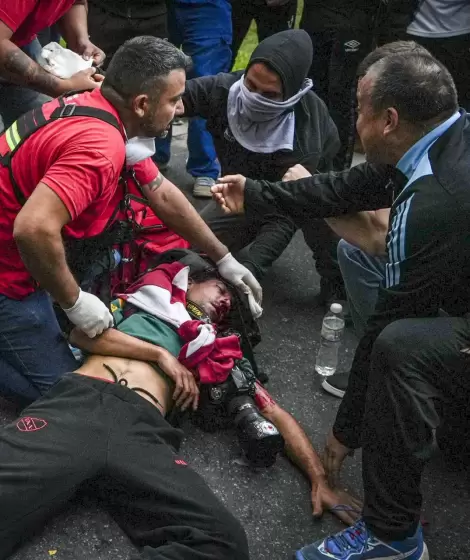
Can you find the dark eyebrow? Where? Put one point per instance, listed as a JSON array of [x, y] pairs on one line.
[[224, 287]]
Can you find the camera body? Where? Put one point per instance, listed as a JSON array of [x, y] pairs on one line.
[[231, 403]]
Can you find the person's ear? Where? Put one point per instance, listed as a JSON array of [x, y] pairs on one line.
[[391, 121], [140, 105]]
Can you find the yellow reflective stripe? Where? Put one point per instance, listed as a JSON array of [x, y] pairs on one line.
[[9, 140], [15, 133], [12, 136]]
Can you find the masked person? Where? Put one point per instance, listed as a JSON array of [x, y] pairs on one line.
[[81, 144], [263, 121], [23, 83]]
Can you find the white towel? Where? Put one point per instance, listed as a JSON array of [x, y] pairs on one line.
[[62, 62]]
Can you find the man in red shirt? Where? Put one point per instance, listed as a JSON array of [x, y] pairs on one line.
[[61, 182], [23, 83]]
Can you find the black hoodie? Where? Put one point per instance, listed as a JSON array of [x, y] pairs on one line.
[[316, 141], [289, 53]]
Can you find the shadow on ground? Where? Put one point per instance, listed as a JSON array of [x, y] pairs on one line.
[[273, 505]]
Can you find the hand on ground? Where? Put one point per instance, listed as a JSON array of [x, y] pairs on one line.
[[346, 507]]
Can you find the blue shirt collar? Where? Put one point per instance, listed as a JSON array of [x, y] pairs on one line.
[[410, 160]]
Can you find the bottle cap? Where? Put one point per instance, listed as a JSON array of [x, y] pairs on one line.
[[336, 308]]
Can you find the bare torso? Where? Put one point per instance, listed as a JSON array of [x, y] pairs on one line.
[[136, 373]]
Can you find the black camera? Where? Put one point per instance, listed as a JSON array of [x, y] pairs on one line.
[[232, 403]]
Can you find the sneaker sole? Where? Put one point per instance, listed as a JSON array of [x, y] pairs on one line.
[[202, 193], [339, 393], [424, 555]]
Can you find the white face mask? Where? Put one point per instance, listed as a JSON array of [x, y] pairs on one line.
[[138, 149]]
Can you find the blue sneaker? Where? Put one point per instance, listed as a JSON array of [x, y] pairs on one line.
[[356, 543]]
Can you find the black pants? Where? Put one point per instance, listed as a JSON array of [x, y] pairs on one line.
[[259, 242], [86, 429], [405, 383], [453, 52], [268, 20], [337, 55], [109, 31]]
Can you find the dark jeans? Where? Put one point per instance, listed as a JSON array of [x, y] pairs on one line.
[[259, 242], [453, 52], [15, 100], [268, 20], [336, 57], [87, 430], [33, 352], [109, 31], [204, 32], [404, 383]]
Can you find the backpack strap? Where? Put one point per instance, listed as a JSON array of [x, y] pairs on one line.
[[34, 120]]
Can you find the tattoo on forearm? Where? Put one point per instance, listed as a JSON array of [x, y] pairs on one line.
[[153, 185], [22, 70]]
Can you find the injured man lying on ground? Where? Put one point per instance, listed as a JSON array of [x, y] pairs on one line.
[[106, 423]]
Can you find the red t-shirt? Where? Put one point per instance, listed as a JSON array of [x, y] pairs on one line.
[[26, 18], [80, 159]]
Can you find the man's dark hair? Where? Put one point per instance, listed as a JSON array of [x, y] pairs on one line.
[[141, 64], [397, 47], [200, 276], [418, 86]]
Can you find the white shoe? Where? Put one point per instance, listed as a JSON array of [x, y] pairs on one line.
[[202, 187]]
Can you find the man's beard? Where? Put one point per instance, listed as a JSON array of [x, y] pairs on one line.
[[150, 130]]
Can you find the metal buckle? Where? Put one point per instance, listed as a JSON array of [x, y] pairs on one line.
[[68, 110]]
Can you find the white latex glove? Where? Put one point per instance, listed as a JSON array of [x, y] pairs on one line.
[[243, 279], [62, 62], [255, 307], [90, 314]]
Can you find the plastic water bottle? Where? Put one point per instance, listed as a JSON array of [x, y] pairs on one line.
[[331, 335]]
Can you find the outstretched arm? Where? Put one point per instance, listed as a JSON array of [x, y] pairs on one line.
[[323, 195], [300, 451]]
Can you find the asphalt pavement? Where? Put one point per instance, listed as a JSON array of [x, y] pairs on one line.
[[274, 504]]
